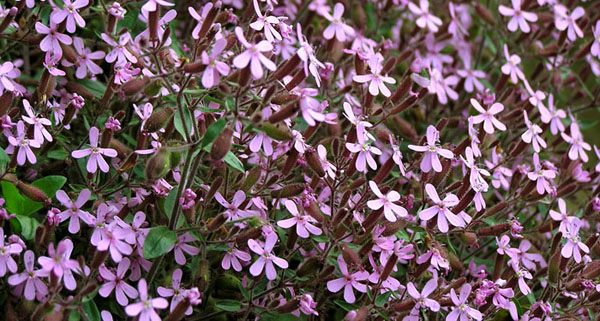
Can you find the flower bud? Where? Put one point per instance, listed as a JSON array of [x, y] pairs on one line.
[[158, 165], [135, 85], [313, 161], [251, 179], [221, 145], [34, 193], [298, 78], [158, 120], [389, 266], [277, 131], [5, 102], [288, 191], [350, 256], [216, 223], [494, 230], [484, 14], [591, 270], [468, 238], [314, 211], [496, 209], [312, 265], [284, 113], [286, 68], [554, 268], [179, 312]]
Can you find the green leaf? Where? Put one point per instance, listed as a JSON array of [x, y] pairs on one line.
[[49, 185], [212, 132], [234, 162], [4, 159], [170, 202], [14, 199], [158, 242], [95, 88], [91, 311], [383, 298], [179, 123], [27, 226], [319, 238], [58, 154], [228, 305], [344, 305]]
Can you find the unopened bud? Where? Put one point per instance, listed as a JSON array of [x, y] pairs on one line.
[[313, 161], [484, 14], [216, 223], [288, 191], [284, 113], [310, 266], [252, 177], [135, 85], [34, 193], [158, 165], [493, 230], [277, 131], [221, 145], [158, 120]]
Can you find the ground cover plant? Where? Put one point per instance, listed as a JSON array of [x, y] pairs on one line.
[[299, 160]]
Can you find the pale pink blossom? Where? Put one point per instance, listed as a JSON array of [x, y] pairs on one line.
[[425, 18], [375, 78], [304, 223], [441, 208], [391, 210], [364, 157], [532, 134], [574, 246], [73, 213], [487, 116], [432, 151], [348, 281], [462, 311], [96, 160], [543, 177], [214, 68], [253, 56], [69, 11], [565, 20], [266, 257], [578, 145], [50, 43], [511, 66], [519, 18], [28, 282], [116, 282], [337, 27], [146, 307], [84, 62]]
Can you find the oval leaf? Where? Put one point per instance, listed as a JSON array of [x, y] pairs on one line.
[[158, 242]]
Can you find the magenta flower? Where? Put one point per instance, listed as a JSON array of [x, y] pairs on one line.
[[308, 305], [61, 264], [442, 210], [521, 275], [461, 310], [232, 258], [176, 292], [145, 308], [430, 159], [24, 144], [574, 244], [181, 246], [542, 176], [39, 131], [510, 67], [51, 62], [253, 55], [532, 134], [233, 212], [504, 247], [422, 298], [116, 282], [578, 145], [376, 79], [348, 281], [487, 116], [391, 211], [84, 62], [73, 213], [50, 43], [364, 157], [69, 12], [304, 223], [6, 252], [563, 20], [120, 52], [435, 258], [518, 18], [28, 282], [337, 27], [425, 18], [96, 160], [214, 67], [266, 257]]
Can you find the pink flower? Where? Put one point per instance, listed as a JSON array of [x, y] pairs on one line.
[[233, 212], [364, 157], [6, 252], [442, 210], [28, 282], [24, 144], [562, 216], [337, 27], [487, 116], [266, 23], [510, 67], [442, 86], [120, 52], [390, 210], [8, 72], [308, 305], [73, 213], [574, 244], [542, 176], [476, 173], [199, 17], [304, 223], [376, 79], [578, 145], [519, 17], [152, 5], [84, 60], [307, 55], [532, 134], [471, 78], [565, 21], [422, 298], [522, 274], [145, 308], [39, 131], [430, 159], [504, 247], [253, 55], [69, 12], [96, 160], [214, 67], [348, 281], [176, 292], [181, 246], [266, 257], [232, 258], [329, 168], [552, 115], [595, 50], [358, 121], [461, 310], [426, 19], [51, 62], [435, 258], [114, 241], [117, 282], [50, 43], [61, 264]]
